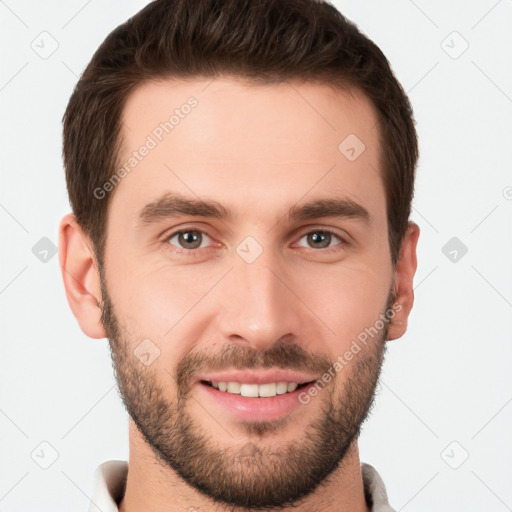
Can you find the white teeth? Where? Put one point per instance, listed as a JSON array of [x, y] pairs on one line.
[[234, 387], [255, 390], [267, 389], [281, 388], [249, 390]]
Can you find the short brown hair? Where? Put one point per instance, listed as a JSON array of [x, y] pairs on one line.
[[263, 41]]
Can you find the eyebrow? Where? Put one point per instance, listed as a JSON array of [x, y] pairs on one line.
[[175, 205]]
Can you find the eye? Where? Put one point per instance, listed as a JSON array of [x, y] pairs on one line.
[[321, 238], [188, 239]]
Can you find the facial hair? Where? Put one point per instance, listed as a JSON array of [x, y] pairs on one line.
[[254, 477]]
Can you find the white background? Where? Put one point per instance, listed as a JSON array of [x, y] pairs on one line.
[[447, 380]]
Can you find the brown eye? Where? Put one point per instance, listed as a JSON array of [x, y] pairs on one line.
[[189, 239], [321, 239]]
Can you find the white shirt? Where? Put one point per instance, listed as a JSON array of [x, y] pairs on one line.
[[110, 482]]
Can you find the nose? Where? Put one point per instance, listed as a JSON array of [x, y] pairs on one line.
[[258, 304]]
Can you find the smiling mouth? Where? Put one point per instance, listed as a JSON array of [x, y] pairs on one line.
[[251, 390]]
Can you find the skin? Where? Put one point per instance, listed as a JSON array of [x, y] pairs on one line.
[[257, 150]]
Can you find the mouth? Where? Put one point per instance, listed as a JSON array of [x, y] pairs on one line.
[[255, 390], [254, 395]]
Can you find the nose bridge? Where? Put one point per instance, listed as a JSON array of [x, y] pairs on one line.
[[257, 305]]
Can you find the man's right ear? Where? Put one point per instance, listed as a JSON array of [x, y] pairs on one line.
[[81, 276]]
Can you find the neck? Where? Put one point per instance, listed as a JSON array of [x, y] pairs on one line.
[[152, 486]]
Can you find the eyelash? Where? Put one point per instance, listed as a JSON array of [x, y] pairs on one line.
[[194, 252]]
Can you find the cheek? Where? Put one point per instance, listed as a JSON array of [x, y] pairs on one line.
[[348, 301], [165, 304], [147, 287]]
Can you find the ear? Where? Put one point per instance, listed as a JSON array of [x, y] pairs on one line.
[[403, 282], [81, 276]]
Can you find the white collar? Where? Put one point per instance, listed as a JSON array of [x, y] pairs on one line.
[[110, 483], [109, 486]]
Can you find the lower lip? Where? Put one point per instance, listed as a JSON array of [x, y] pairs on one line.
[[255, 408]]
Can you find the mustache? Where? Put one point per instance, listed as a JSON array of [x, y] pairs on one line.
[[284, 355]]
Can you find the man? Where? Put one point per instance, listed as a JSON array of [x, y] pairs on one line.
[[241, 175]]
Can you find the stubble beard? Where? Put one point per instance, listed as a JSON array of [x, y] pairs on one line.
[[250, 476]]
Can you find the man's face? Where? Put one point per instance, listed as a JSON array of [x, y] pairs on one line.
[[255, 298]]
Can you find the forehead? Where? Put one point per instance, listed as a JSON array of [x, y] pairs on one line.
[[249, 146]]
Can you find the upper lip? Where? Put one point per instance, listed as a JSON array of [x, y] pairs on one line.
[[258, 376]]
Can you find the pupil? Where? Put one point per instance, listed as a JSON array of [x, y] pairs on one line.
[[189, 237], [315, 237]]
